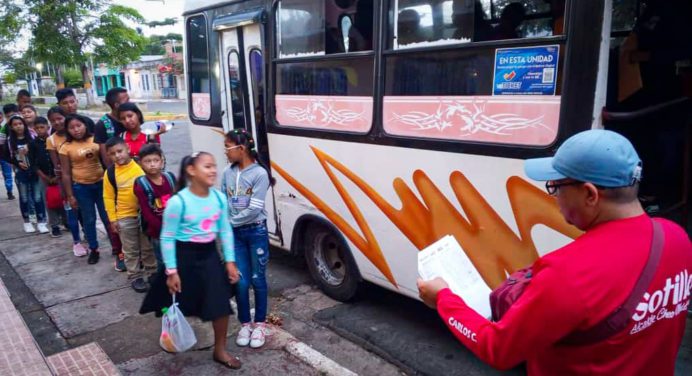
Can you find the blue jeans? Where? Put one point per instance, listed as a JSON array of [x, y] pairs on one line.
[[72, 223], [90, 199], [7, 175], [30, 196], [251, 257]]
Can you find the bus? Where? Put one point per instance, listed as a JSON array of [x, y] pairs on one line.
[[390, 124]]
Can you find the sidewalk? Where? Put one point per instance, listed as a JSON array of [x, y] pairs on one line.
[[67, 303]]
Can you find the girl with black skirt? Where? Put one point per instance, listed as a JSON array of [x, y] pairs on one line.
[[195, 273]]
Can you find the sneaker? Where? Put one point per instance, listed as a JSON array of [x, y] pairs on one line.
[[120, 263], [28, 227], [93, 257], [79, 250], [32, 218], [55, 232], [139, 285], [244, 334], [258, 335], [10, 196], [43, 228]]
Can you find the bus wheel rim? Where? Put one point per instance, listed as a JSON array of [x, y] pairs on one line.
[[328, 260]]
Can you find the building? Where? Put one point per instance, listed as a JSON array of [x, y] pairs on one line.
[[150, 77]]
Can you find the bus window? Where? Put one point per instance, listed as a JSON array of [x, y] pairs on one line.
[[439, 22], [308, 27], [624, 15], [321, 92], [237, 100], [198, 67], [300, 28]]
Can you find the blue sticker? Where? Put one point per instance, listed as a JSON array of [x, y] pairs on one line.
[[526, 70]]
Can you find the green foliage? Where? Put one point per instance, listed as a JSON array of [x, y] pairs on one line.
[[73, 78], [154, 45], [9, 77], [63, 30], [166, 22]]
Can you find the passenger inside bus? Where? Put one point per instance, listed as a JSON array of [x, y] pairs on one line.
[[512, 16], [646, 95], [360, 33], [408, 23]]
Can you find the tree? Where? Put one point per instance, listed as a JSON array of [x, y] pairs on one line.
[[69, 32], [166, 22], [155, 43]]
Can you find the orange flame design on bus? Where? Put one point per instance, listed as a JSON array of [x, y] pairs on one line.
[[491, 245]]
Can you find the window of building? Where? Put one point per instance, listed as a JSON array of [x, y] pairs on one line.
[[198, 67]]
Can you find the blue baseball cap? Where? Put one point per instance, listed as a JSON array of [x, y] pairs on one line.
[[603, 158]]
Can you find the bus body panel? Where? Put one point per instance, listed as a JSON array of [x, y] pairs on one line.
[[375, 167]]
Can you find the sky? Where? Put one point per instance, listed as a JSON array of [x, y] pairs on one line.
[[157, 10]]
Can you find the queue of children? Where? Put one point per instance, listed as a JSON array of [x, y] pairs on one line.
[[163, 230]]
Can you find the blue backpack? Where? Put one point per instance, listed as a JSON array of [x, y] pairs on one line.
[[143, 182]]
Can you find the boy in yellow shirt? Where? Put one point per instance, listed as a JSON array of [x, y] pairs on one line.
[[123, 212]]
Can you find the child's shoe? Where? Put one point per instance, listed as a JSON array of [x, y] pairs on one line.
[[93, 257], [120, 262], [42, 228], [55, 232], [10, 195], [244, 334], [79, 250], [258, 335], [139, 285], [28, 227]]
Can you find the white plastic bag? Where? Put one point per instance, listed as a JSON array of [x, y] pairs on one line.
[[176, 333]]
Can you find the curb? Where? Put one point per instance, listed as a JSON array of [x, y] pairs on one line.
[[310, 356]]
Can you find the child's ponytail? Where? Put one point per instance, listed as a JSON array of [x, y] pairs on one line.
[[240, 136]]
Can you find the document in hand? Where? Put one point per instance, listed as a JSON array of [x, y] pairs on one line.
[[447, 260]]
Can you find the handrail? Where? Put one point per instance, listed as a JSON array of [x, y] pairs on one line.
[[634, 115]]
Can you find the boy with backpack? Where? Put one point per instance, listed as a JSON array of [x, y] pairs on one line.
[[123, 213], [109, 125], [153, 191]]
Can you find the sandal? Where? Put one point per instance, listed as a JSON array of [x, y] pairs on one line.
[[233, 362]]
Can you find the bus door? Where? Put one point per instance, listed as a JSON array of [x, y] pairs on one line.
[[242, 60]]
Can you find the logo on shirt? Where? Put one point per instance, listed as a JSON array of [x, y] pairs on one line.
[[87, 153], [664, 303], [465, 331]]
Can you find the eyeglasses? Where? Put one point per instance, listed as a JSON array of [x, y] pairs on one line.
[[551, 187], [232, 147]]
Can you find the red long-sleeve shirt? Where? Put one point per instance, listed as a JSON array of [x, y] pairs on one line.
[[574, 288], [152, 217]]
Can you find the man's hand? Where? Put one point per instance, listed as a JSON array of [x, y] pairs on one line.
[[173, 283], [427, 290], [232, 271], [23, 166]]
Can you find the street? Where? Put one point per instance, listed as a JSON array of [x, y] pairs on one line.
[[67, 303]]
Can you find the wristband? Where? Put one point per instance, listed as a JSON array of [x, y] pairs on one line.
[[171, 271]]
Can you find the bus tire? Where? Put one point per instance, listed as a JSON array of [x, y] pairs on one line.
[[330, 263]]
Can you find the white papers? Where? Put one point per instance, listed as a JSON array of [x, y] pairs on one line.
[[447, 260]]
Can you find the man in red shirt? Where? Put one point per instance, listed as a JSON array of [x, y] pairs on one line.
[[594, 176]]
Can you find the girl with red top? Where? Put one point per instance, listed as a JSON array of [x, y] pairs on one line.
[[132, 119]]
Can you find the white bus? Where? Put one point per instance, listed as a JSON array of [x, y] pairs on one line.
[[392, 123]]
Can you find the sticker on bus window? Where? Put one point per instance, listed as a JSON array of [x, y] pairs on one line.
[[201, 105], [526, 70]]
